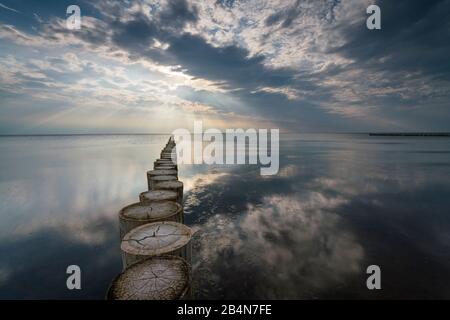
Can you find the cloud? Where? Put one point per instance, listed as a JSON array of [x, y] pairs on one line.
[[8, 8], [161, 39], [300, 64]]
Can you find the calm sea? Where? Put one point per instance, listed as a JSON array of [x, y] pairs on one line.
[[340, 203]]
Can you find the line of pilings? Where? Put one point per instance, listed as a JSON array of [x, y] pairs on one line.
[[155, 244]]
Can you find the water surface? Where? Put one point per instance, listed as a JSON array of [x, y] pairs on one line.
[[339, 203]]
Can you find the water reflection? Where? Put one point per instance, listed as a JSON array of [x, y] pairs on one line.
[[338, 204], [59, 201], [286, 248]]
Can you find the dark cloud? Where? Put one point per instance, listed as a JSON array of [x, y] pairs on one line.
[[414, 38], [230, 63], [178, 13], [139, 33]]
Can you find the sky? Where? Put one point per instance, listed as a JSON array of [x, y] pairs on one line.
[[153, 66]]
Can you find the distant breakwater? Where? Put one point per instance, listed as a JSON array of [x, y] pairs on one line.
[[411, 134]]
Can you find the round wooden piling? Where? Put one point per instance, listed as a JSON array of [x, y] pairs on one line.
[[156, 239], [165, 153], [176, 186], [164, 162], [167, 156], [138, 214], [154, 173], [165, 167], [155, 179], [157, 278], [162, 173], [157, 195]]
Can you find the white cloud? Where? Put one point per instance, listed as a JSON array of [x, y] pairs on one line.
[[8, 8]]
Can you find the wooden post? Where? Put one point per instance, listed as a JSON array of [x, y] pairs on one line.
[[157, 278], [156, 239], [155, 179], [154, 173], [165, 167], [157, 195], [137, 214], [176, 186], [164, 162], [167, 156]]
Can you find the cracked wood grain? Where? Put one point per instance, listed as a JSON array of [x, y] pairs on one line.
[[138, 214], [157, 278]]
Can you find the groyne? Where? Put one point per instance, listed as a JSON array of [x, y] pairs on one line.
[[155, 244]]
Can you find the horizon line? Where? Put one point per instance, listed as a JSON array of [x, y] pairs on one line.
[[285, 132]]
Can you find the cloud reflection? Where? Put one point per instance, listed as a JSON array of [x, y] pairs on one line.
[[284, 248]]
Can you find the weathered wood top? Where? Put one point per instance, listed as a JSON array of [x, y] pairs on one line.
[[168, 185], [157, 278], [165, 161], [156, 238], [158, 195], [150, 211], [163, 178], [162, 172], [164, 166]]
